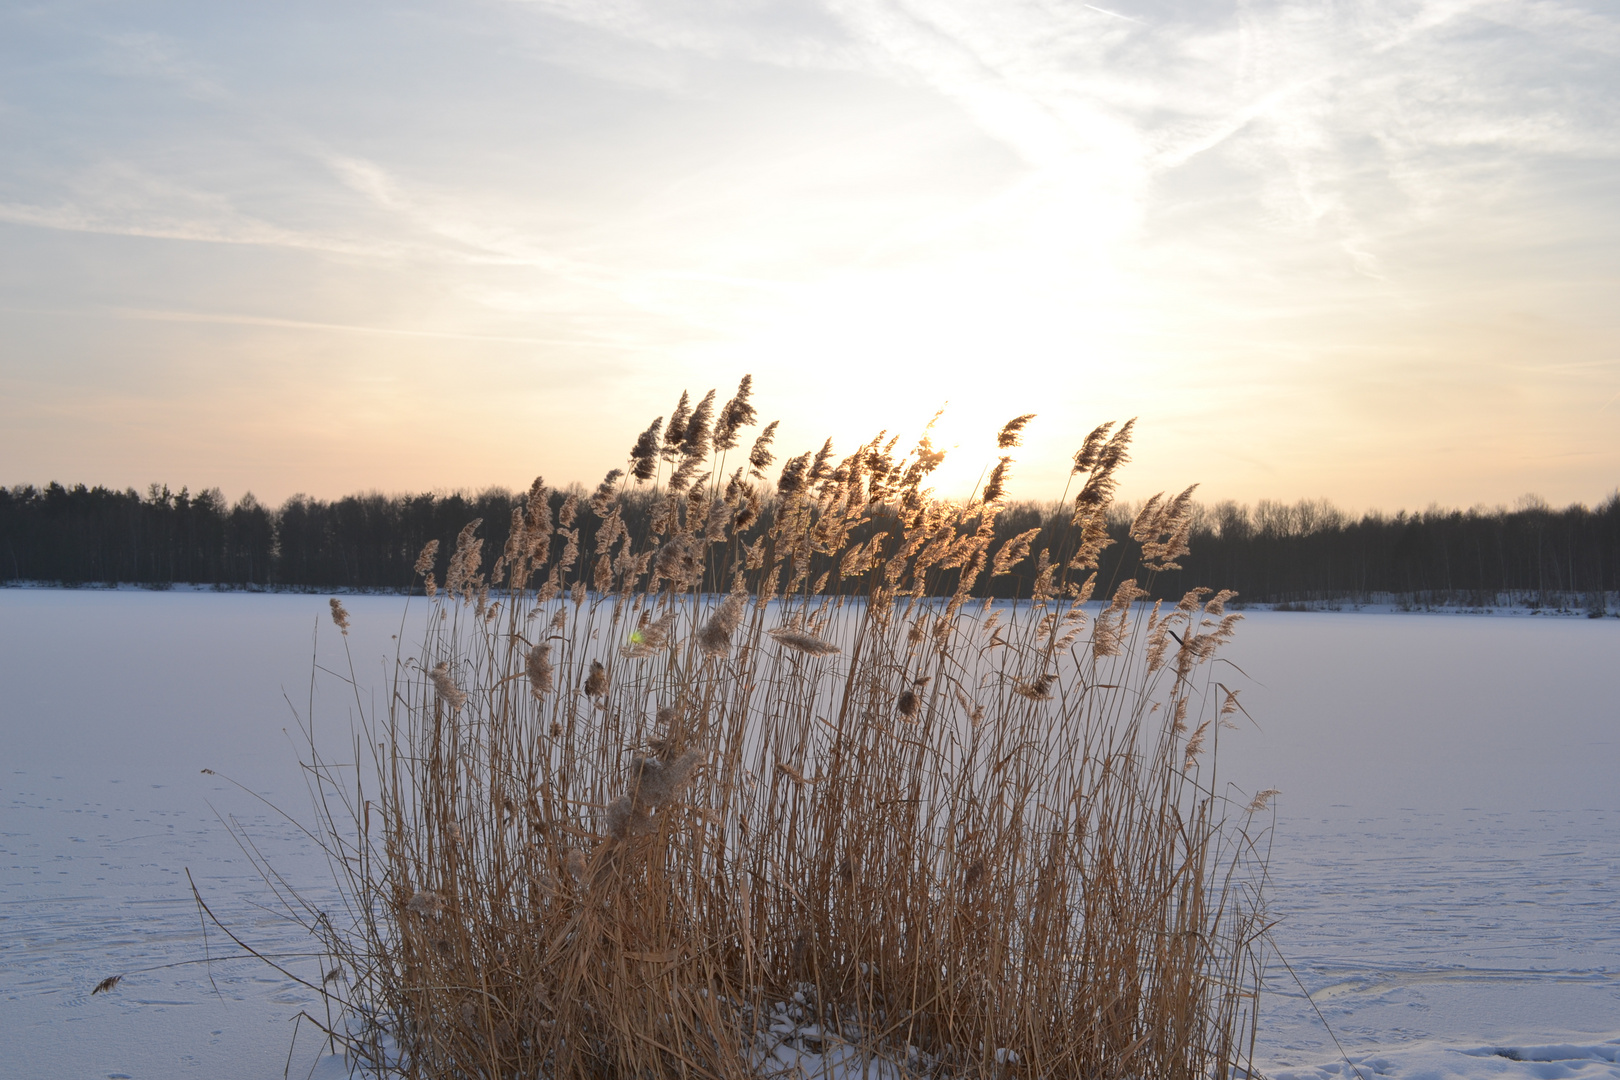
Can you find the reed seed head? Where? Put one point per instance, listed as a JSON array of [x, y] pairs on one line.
[[644, 454], [657, 782], [1013, 552], [424, 558], [696, 444], [680, 562], [538, 666], [1012, 433], [996, 486], [760, 457], [793, 774], [1039, 689], [685, 473], [974, 874], [735, 414], [792, 480], [675, 433], [626, 818], [818, 467], [649, 637], [537, 523], [1041, 591], [425, 904], [715, 637], [804, 642], [602, 498], [1195, 745], [462, 574], [451, 694], [596, 682]]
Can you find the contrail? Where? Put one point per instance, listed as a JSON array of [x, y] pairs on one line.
[[1115, 14]]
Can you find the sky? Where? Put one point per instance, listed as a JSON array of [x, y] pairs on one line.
[[1367, 251]]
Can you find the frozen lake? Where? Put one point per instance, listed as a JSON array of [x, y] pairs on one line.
[[1446, 862]]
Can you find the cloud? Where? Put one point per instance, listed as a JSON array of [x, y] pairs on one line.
[[219, 228], [797, 36], [1306, 101]]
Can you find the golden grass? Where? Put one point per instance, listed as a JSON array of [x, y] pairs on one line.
[[759, 769]]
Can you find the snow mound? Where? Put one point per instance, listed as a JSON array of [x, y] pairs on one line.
[[1555, 1061]]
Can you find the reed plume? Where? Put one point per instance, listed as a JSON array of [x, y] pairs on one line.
[[675, 431], [734, 415], [698, 438], [542, 676], [1012, 433], [760, 457], [715, 637], [425, 558], [451, 694], [644, 454], [801, 641]]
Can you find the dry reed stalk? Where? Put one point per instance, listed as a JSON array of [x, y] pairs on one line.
[[641, 823]]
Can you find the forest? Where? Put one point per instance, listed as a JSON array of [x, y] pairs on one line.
[[1306, 553]]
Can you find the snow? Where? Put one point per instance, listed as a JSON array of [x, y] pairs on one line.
[[1443, 863], [1447, 842]]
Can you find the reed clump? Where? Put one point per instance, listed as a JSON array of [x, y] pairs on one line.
[[767, 788]]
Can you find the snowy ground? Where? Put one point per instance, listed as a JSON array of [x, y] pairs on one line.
[[1446, 862]]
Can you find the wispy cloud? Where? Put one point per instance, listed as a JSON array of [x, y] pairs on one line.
[[1296, 93], [231, 319], [165, 224], [788, 35]]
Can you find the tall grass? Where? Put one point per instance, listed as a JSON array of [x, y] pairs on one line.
[[688, 802]]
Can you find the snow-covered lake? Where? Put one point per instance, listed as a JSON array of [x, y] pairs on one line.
[[1445, 866]]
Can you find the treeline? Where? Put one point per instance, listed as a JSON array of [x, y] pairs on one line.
[[1312, 553], [1302, 553], [82, 536]]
